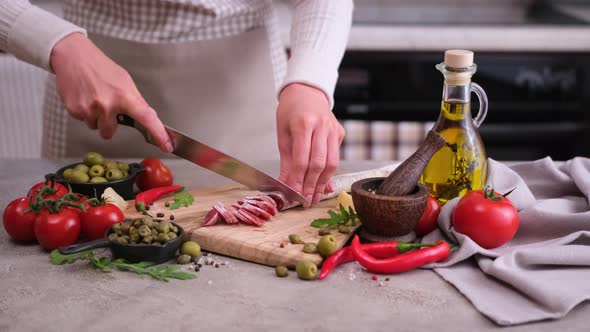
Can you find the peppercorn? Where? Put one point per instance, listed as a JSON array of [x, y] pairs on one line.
[[171, 217], [167, 204], [374, 277], [216, 265], [160, 214], [200, 265], [147, 207], [282, 245], [197, 268], [387, 279]]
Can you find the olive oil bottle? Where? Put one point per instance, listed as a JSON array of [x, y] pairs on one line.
[[461, 165]]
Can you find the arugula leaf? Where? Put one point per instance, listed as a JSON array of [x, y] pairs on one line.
[[183, 198], [106, 264], [342, 218]]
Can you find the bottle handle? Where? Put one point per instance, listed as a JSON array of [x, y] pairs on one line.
[[483, 103]]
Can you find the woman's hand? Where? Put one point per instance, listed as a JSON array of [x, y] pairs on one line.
[[94, 89], [309, 140]]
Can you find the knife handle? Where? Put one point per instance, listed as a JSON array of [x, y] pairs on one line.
[[125, 120]]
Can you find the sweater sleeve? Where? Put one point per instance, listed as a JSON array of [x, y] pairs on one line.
[[319, 34], [29, 33]]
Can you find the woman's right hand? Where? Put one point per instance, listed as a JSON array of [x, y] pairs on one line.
[[94, 89]]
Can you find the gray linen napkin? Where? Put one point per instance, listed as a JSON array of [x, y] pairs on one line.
[[545, 270]]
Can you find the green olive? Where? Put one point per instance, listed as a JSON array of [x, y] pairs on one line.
[[110, 164], [147, 239], [67, 173], [116, 226], [149, 222], [343, 229], [136, 222], [191, 248], [79, 176], [281, 271], [162, 238], [113, 237], [123, 240], [98, 179], [125, 227], [96, 170], [82, 168], [123, 166], [113, 174], [133, 230], [295, 239], [306, 270], [171, 236], [183, 259], [125, 174], [310, 248], [134, 237], [144, 231], [93, 158], [163, 227], [327, 245], [174, 229]]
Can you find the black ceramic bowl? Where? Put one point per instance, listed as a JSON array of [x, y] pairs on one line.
[[123, 187], [132, 253]]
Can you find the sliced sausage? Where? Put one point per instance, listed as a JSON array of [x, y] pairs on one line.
[[226, 214], [211, 218], [279, 199], [256, 211], [250, 217]]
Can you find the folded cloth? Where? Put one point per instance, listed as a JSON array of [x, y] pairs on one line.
[[545, 270]]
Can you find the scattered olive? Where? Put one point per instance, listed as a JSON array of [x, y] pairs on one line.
[[327, 245], [281, 271], [183, 259], [306, 270], [310, 248], [324, 231], [343, 229], [191, 248], [295, 239]]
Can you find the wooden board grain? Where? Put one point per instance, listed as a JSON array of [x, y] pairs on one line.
[[251, 243]]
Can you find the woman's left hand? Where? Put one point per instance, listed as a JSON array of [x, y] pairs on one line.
[[309, 139]]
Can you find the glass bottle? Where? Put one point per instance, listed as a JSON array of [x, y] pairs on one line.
[[461, 165]]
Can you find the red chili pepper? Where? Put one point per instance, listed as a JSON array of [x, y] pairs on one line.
[[379, 250], [149, 196], [400, 263]]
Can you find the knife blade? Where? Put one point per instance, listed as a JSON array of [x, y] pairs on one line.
[[214, 160]]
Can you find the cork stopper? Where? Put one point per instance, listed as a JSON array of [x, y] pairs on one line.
[[458, 58]]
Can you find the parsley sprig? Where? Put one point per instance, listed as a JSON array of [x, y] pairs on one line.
[[106, 264], [183, 198], [336, 219]]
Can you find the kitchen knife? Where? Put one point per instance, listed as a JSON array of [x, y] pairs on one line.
[[217, 161]]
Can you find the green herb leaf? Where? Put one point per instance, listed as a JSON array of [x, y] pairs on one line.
[[336, 219], [57, 258], [182, 199]]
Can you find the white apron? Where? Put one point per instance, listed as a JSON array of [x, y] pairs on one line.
[[219, 91]]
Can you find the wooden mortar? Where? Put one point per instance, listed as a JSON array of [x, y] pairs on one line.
[[387, 215]]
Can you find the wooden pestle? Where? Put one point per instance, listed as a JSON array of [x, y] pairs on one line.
[[404, 178]]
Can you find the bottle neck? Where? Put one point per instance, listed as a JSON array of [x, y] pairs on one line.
[[457, 93]]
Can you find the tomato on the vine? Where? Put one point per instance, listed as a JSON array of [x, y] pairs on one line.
[[156, 174], [488, 218], [58, 190], [18, 224], [98, 219], [427, 222], [59, 229], [80, 199]]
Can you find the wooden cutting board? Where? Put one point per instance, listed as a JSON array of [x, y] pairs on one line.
[[256, 244]]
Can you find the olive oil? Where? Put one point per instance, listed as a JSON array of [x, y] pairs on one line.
[[459, 166]]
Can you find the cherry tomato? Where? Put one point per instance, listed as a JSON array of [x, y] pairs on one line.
[[156, 174], [55, 230], [429, 217], [487, 218], [19, 225], [59, 190], [98, 219]]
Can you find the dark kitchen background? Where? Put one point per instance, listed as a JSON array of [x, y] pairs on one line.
[[533, 60]]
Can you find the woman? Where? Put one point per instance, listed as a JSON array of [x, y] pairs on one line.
[[212, 69]]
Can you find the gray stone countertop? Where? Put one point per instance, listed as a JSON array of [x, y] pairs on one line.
[[37, 296]]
